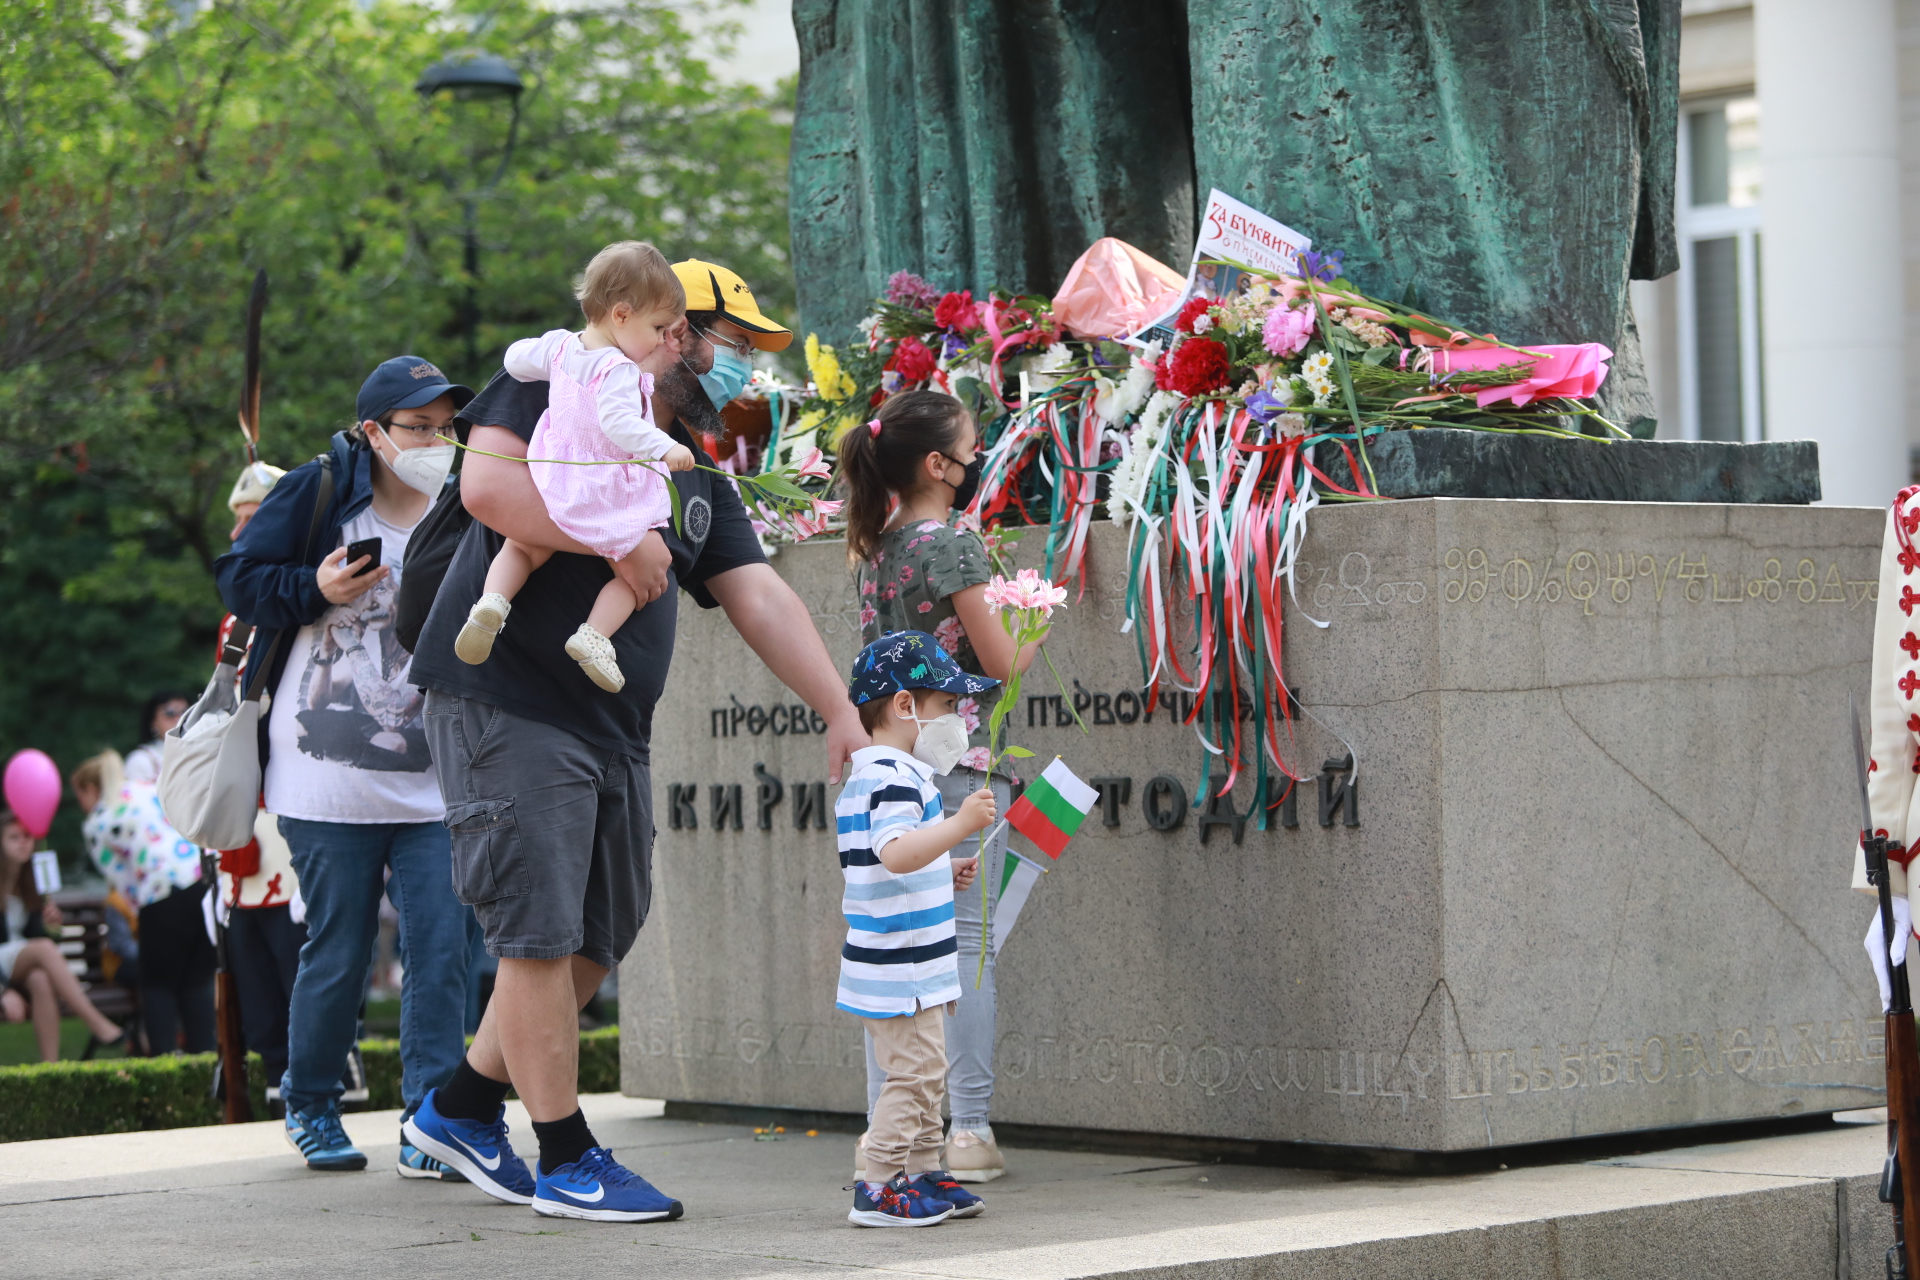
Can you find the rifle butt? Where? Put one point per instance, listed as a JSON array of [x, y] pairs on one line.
[[238, 1106]]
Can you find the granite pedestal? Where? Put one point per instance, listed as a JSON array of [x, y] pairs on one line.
[[1587, 874]]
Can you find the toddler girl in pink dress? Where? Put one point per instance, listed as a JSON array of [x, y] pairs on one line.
[[599, 411]]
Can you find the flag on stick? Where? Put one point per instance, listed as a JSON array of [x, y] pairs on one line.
[[1016, 881], [1051, 810]]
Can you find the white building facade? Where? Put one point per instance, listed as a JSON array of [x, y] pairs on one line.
[[1788, 319]]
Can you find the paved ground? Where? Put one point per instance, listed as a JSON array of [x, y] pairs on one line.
[[236, 1202]]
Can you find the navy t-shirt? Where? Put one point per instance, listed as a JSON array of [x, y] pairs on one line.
[[529, 672]]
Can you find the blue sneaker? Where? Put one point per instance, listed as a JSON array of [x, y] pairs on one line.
[[317, 1135], [478, 1150], [597, 1188], [940, 1185], [895, 1204], [415, 1163]]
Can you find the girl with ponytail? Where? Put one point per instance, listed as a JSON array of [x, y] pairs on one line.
[[904, 474]]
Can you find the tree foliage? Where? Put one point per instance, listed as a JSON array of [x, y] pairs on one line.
[[151, 159]]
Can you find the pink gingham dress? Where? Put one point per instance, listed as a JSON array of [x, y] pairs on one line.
[[600, 409]]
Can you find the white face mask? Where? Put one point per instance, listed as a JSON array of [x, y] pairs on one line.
[[425, 468], [941, 742]]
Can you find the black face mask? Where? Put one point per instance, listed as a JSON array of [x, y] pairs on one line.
[[970, 483]]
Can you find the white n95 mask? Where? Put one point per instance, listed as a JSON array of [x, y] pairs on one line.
[[941, 742], [425, 468]]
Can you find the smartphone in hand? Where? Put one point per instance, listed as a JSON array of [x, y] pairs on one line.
[[365, 547]]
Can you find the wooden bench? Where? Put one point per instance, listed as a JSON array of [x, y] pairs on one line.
[[83, 941]]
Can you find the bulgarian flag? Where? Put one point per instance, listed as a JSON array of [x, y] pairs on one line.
[[1016, 882], [1052, 809]]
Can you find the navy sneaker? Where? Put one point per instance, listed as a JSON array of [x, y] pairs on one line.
[[479, 1150], [317, 1135], [597, 1188], [415, 1163], [895, 1204], [940, 1185]]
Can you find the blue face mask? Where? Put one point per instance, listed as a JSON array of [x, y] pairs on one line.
[[728, 377]]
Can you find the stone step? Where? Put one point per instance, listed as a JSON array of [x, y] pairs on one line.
[[229, 1201]]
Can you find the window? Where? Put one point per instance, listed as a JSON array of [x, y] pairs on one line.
[[1719, 227]]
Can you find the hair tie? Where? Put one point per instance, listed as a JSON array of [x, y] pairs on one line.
[[873, 428]]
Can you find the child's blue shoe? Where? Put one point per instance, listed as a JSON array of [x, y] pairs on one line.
[[895, 1204], [596, 1187], [478, 1149], [319, 1136], [939, 1185]]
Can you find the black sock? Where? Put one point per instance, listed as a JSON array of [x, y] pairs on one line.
[[563, 1141], [470, 1095]]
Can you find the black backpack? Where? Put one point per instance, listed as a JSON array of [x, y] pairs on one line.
[[429, 552]]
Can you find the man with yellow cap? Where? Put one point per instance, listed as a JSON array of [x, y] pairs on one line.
[[546, 778]]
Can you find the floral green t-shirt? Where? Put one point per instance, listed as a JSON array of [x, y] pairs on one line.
[[908, 585]]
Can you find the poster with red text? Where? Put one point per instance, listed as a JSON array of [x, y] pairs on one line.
[[1236, 242]]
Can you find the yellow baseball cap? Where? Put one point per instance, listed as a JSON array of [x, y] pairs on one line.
[[711, 287]]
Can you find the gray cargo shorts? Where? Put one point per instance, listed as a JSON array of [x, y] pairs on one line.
[[552, 836]]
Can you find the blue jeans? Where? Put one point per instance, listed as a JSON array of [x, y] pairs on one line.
[[340, 865]]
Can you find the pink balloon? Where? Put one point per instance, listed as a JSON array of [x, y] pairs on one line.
[[33, 790]]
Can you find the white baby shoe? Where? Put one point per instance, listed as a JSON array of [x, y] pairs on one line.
[[594, 653], [484, 621]]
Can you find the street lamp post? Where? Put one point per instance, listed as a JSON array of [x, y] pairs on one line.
[[469, 78]]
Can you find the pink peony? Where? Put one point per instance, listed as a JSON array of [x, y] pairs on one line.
[[969, 711], [1287, 330], [976, 758]]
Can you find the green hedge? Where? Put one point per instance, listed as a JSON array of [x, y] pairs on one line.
[[125, 1095]]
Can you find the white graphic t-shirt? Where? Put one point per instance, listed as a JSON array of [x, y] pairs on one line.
[[348, 742]]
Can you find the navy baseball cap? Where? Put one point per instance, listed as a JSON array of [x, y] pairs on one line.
[[406, 382], [909, 660]]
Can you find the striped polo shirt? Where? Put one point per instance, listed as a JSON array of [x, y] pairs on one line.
[[899, 954]]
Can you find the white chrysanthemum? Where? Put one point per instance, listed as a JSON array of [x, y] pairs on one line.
[[1318, 374], [1142, 449], [867, 327]]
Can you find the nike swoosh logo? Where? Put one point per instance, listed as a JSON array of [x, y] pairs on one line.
[[488, 1165], [599, 1193]]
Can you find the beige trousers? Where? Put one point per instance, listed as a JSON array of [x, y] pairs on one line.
[[912, 1053]]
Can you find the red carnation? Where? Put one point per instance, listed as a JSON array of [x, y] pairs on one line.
[[1198, 365], [959, 312], [912, 361], [1162, 372], [1195, 308]]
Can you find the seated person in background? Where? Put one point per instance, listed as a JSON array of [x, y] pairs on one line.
[[34, 974]]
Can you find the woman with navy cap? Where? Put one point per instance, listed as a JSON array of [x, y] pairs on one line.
[[347, 766]]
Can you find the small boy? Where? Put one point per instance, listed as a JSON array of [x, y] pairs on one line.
[[897, 969]]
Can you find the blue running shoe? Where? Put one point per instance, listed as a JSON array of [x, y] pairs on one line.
[[895, 1204], [940, 1185], [317, 1135], [477, 1149], [415, 1163], [597, 1188]]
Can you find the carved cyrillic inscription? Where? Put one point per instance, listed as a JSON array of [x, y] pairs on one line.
[[1597, 579]]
